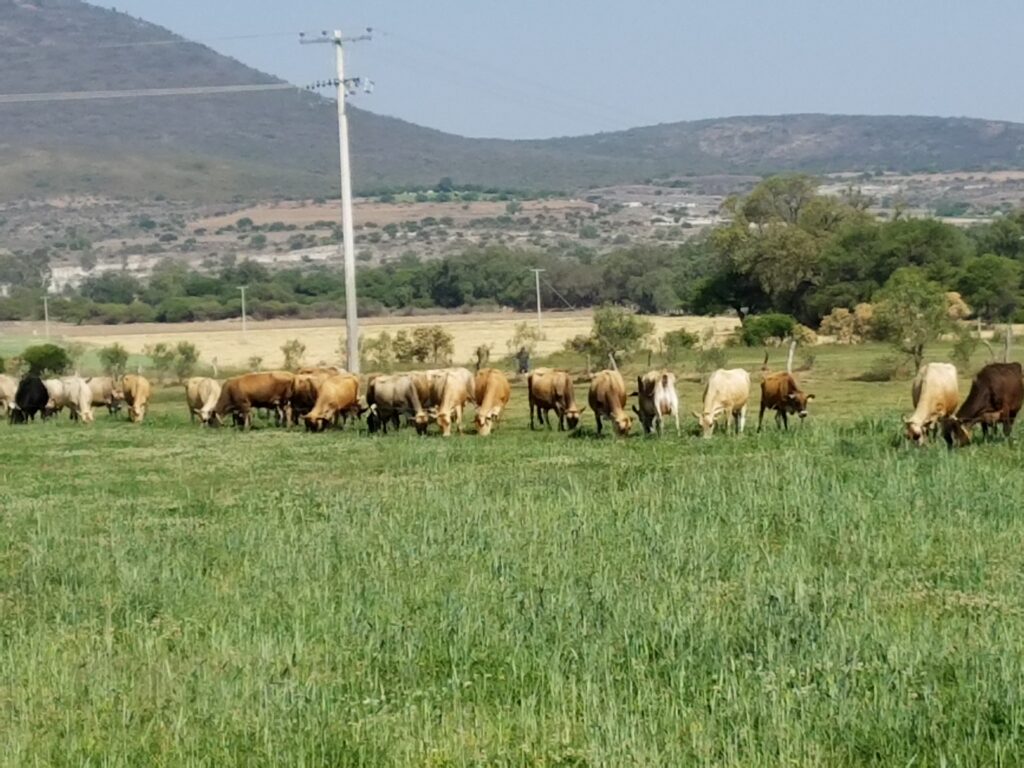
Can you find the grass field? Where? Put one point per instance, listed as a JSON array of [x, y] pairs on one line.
[[171, 595]]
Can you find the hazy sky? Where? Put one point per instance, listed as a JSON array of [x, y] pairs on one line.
[[539, 68]]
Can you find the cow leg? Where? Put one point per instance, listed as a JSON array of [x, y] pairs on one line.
[[597, 417], [785, 419], [675, 414], [760, 417], [532, 405], [741, 420]]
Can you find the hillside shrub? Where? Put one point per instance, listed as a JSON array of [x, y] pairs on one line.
[[758, 329]]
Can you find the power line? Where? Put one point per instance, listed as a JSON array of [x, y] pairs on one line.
[[141, 93]]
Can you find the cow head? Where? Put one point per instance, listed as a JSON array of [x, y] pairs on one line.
[[485, 422], [572, 416], [955, 432], [422, 420], [444, 421], [914, 431], [373, 421], [707, 422], [796, 402], [623, 423]]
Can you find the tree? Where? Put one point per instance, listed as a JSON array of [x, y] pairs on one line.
[[162, 356], [618, 332], [432, 343], [911, 313], [525, 336], [46, 358], [379, 352], [403, 347], [293, 350], [114, 360], [991, 285], [185, 358]]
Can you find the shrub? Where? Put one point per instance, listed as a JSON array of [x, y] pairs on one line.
[[618, 332], [46, 358], [114, 360], [525, 336], [379, 352], [293, 350], [757, 329], [185, 358], [162, 356], [965, 344], [711, 359], [676, 342]]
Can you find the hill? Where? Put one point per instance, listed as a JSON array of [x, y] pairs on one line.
[[282, 144]]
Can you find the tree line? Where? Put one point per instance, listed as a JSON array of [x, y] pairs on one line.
[[787, 249]]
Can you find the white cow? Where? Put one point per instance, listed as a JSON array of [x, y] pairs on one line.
[[727, 392], [202, 395], [658, 399], [57, 401], [8, 389], [935, 393], [78, 398]]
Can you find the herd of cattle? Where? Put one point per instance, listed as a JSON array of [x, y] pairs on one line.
[[324, 397]]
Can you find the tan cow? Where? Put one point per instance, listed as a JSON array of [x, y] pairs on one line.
[[492, 395], [202, 394], [337, 395], [458, 390], [57, 401], [935, 393], [8, 390], [271, 390], [106, 391], [607, 398], [137, 391], [727, 392], [388, 398], [77, 396], [656, 392], [553, 390]]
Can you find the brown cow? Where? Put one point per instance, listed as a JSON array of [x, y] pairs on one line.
[[607, 398], [995, 398], [781, 393], [136, 391], [454, 396], [553, 390], [388, 398], [337, 395], [492, 395], [272, 390]]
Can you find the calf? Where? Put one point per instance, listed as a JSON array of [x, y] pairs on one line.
[[607, 398], [727, 392], [553, 390], [995, 398], [656, 391], [935, 394], [780, 393]]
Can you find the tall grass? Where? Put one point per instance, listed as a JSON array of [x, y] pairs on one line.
[[172, 595]]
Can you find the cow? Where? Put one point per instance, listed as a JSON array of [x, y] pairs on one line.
[[727, 392], [781, 393], [458, 390], [137, 391], [30, 398], [607, 398], [337, 395], [106, 391], [549, 390], [388, 397], [56, 401], [201, 394], [8, 392], [656, 393], [935, 393], [492, 395], [77, 396], [271, 390], [305, 391], [995, 398]]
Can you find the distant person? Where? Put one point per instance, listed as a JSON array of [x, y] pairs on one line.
[[523, 358]]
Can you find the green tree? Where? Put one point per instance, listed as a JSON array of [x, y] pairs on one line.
[[910, 313], [526, 336], [44, 359], [432, 342], [990, 284], [379, 352], [114, 360], [185, 358], [162, 356], [293, 350], [405, 351], [618, 332]]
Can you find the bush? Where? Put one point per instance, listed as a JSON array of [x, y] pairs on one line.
[[114, 360], [45, 359], [293, 350], [379, 352], [525, 336], [757, 329], [618, 332], [676, 342], [711, 359], [162, 357], [185, 358]]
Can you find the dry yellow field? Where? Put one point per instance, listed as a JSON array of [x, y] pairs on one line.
[[224, 342]]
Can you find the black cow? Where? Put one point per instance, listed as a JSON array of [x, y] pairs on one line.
[[30, 399], [995, 398]]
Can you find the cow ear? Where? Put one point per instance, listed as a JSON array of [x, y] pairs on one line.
[[810, 397]]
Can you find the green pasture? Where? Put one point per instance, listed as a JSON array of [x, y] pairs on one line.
[[172, 595]]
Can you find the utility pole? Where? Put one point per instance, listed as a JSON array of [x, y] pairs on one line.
[[346, 87], [242, 289], [46, 315], [536, 277]]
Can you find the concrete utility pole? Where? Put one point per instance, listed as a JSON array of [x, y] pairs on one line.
[[242, 289], [346, 87], [46, 315], [536, 277]]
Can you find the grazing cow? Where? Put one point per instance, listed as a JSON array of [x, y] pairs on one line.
[[995, 398], [8, 391], [429, 387], [106, 391], [56, 401], [553, 390], [137, 391], [492, 395], [727, 392], [388, 397], [607, 397], [30, 398], [458, 390], [935, 394], [781, 393], [304, 393], [201, 394], [77, 396], [656, 391], [337, 395], [271, 390]]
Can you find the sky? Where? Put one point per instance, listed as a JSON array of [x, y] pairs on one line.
[[543, 68]]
